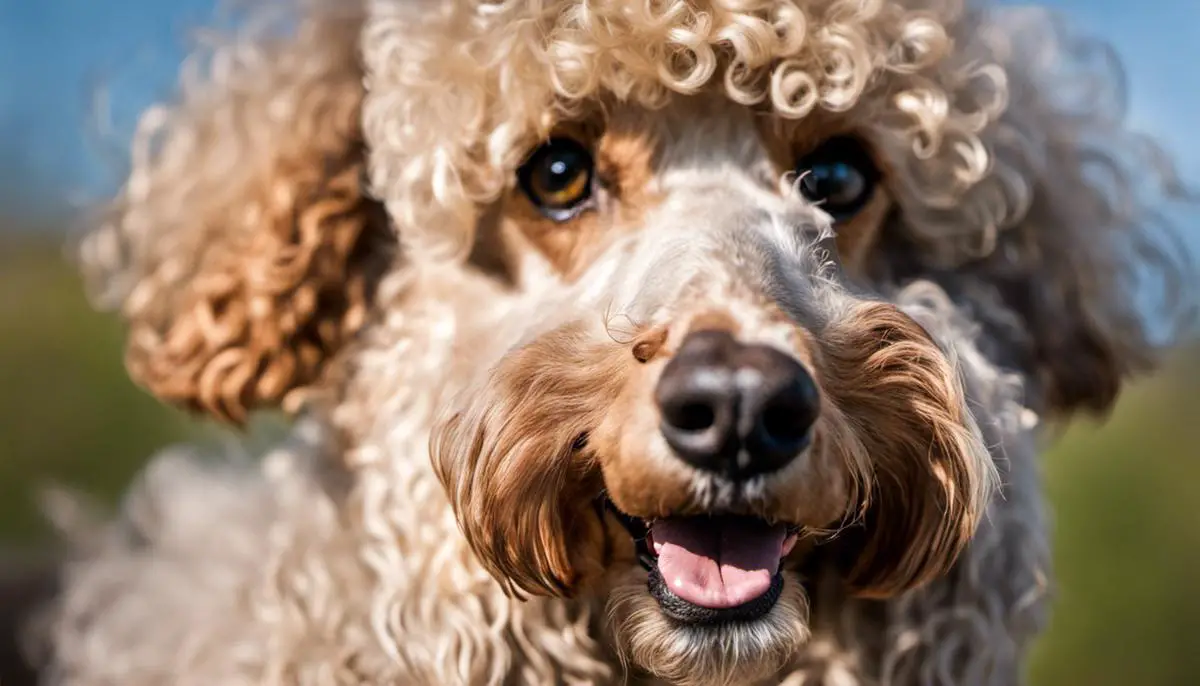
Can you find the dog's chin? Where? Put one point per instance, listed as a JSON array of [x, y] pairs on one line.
[[711, 604], [717, 654]]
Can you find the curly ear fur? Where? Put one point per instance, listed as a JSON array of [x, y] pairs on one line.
[[933, 475], [242, 250], [1065, 213], [520, 480]]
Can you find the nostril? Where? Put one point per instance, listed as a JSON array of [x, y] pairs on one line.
[[698, 421], [693, 416], [779, 413], [787, 419], [785, 424]]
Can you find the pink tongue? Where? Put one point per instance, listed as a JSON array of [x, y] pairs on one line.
[[717, 562]]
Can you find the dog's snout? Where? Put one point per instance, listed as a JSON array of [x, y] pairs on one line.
[[735, 409]]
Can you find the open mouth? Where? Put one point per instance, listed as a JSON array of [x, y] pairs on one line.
[[712, 569]]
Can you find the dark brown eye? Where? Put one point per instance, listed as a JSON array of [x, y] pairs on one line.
[[839, 176], [558, 178]]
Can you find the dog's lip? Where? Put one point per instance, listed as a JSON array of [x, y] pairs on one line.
[[685, 612], [638, 529]]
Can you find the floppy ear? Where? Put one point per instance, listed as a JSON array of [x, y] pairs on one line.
[[242, 250], [931, 474], [1081, 267], [1042, 211], [516, 467], [1065, 290]]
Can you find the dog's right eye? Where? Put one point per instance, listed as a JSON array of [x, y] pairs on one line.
[[558, 177]]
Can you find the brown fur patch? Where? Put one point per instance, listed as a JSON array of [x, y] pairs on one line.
[[569, 245], [263, 316], [929, 467], [714, 320], [624, 157], [626, 160], [642, 478], [648, 345], [521, 481], [787, 140], [858, 238], [254, 250]]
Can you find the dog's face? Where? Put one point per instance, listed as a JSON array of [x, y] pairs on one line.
[[705, 400], [667, 202]]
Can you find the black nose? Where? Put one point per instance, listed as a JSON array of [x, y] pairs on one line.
[[735, 409]]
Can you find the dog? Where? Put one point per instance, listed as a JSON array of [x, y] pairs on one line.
[[674, 342]]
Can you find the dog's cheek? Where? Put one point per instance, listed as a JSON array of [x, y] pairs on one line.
[[817, 492], [641, 476], [598, 545]]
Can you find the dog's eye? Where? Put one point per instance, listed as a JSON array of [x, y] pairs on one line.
[[558, 178], [839, 176]]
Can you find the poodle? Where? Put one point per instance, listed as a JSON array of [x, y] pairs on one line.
[[692, 342]]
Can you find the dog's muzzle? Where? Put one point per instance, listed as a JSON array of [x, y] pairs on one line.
[[736, 412]]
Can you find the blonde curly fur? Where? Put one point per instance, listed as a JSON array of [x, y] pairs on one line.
[[303, 229]]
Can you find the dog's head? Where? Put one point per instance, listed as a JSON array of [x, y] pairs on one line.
[[706, 402], [686, 217]]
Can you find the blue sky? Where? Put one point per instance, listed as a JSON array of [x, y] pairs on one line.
[[53, 52]]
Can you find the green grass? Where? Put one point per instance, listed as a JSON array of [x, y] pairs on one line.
[[68, 413], [1125, 495], [1127, 542]]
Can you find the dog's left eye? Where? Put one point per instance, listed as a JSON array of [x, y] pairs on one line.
[[839, 176], [558, 178]]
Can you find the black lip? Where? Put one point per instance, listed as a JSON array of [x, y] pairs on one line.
[[689, 613], [638, 531], [679, 609]]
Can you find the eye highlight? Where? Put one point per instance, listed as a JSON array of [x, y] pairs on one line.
[[839, 175], [558, 178]]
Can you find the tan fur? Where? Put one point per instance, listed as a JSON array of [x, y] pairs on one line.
[[738, 658], [243, 249], [469, 381], [858, 239]]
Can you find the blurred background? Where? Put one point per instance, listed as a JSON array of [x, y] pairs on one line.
[[73, 75]]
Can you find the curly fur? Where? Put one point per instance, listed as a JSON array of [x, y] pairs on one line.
[[323, 223], [235, 302]]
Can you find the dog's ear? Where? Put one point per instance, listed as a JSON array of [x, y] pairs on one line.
[[927, 474], [242, 250], [515, 463], [1082, 266], [1065, 290], [1060, 243]]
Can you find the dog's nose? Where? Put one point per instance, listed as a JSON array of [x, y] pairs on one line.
[[735, 409]]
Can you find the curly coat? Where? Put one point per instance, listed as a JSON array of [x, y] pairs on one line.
[[313, 228]]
